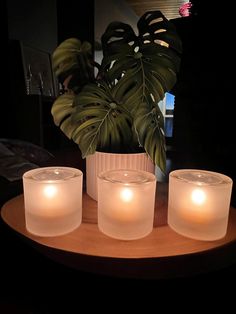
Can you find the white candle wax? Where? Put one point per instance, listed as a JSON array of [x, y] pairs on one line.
[[126, 203], [53, 200], [199, 203]]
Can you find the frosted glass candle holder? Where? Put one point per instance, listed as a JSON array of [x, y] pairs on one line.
[[199, 203], [53, 200], [126, 201]]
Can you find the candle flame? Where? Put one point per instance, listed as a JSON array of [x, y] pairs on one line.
[[126, 195], [50, 191], [198, 196]]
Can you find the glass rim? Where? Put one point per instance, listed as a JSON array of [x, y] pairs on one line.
[[214, 178], [72, 173], [131, 177]]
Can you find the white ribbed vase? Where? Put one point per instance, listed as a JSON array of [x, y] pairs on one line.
[[100, 162]]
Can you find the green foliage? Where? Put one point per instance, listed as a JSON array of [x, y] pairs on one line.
[[118, 111], [73, 58], [149, 126], [103, 122]]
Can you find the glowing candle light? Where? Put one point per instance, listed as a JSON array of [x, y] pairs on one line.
[[198, 196], [199, 203], [126, 195], [50, 191], [53, 200], [126, 203]]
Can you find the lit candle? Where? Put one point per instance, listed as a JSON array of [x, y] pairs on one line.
[[126, 201], [199, 203], [53, 200]]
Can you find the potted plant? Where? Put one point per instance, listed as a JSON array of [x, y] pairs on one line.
[[116, 110]]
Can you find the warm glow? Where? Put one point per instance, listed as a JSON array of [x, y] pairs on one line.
[[198, 203], [126, 195], [50, 191], [198, 196]]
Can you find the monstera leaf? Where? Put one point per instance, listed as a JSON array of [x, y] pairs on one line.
[[149, 126], [150, 59], [73, 58], [103, 123], [62, 111]]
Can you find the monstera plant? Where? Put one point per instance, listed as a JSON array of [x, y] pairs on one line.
[[113, 106]]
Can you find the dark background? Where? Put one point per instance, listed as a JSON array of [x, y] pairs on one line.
[[203, 137]]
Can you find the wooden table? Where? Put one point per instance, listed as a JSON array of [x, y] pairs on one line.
[[162, 254]]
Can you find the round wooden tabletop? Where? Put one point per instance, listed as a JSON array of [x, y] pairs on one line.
[[161, 254]]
